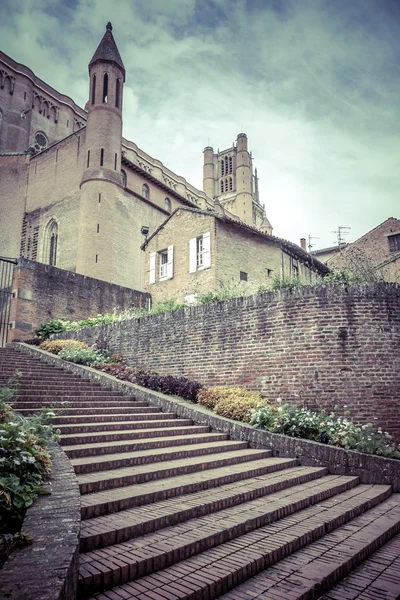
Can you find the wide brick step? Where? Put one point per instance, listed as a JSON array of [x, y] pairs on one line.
[[127, 402], [173, 427], [160, 420], [56, 397], [112, 501], [83, 450], [63, 391], [94, 464], [141, 414], [138, 521], [219, 569], [378, 577], [93, 413], [125, 476], [312, 571], [155, 551]]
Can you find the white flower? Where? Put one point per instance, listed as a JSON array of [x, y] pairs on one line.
[[2, 459]]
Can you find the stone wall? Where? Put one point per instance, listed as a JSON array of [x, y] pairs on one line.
[[48, 569], [43, 293], [317, 346]]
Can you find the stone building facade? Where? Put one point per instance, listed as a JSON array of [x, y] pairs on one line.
[[196, 251], [375, 254], [75, 194]]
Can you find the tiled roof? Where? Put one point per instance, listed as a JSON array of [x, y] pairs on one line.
[[107, 50], [285, 244]]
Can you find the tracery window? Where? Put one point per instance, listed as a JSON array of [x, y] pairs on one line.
[[40, 142]]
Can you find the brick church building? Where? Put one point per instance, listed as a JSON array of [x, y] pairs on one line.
[[76, 195]]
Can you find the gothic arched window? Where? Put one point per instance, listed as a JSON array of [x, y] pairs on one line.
[[123, 178], [230, 164], [222, 186], [51, 243], [226, 185], [230, 184], [94, 89], [145, 191], [105, 88], [167, 204], [222, 167]]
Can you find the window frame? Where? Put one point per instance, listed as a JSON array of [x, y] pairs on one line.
[[146, 195]]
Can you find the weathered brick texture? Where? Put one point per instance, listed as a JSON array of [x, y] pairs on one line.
[[317, 346], [42, 293]]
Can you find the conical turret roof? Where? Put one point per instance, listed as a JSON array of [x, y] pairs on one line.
[[107, 50]]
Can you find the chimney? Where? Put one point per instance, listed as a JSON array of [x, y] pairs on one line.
[[303, 244]]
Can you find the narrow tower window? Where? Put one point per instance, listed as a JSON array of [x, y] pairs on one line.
[[105, 88], [230, 184], [230, 164], [117, 93], [226, 165], [115, 161], [222, 186], [226, 185], [123, 178], [102, 157], [94, 89], [145, 191], [88, 158], [222, 167], [167, 204]]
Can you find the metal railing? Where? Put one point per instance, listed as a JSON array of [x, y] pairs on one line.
[[6, 277]]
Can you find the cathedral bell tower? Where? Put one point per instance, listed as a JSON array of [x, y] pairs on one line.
[[101, 180]]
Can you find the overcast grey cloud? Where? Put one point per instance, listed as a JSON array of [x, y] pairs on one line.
[[315, 84]]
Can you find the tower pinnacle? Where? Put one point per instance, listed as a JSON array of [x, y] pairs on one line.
[[107, 50]]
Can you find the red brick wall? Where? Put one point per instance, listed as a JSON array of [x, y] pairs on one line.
[[316, 345], [42, 293]]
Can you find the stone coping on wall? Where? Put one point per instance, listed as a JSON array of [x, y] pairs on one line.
[[48, 569], [369, 468]]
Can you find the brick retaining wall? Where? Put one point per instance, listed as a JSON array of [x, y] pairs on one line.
[[370, 469], [317, 346], [42, 293], [48, 569]]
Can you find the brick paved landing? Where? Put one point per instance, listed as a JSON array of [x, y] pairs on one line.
[[171, 510]]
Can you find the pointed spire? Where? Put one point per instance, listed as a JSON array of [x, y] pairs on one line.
[[107, 50]]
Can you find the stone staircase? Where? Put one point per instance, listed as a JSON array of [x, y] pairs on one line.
[[171, 510]]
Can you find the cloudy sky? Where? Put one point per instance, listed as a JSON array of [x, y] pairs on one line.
[[315, 84]]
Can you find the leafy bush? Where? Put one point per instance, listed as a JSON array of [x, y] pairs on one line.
[[285, 283], [24, 460], [232, 402], [229, 289], [36, 341], [323, 427], [47, 329], [84, 356], [55, 346], [167, 384]]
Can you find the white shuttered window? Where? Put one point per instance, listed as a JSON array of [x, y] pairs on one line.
[[200, 253], [170, 264]]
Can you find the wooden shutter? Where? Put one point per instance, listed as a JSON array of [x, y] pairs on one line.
[[170, 264], [192, 255], [206, 250], [152, 267]]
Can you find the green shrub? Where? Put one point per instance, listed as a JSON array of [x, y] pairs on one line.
[[285, 283], [84, 356], [323, 427], [55, 346], [228, 291], [232, 402], [24, 462], [51, 327]]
